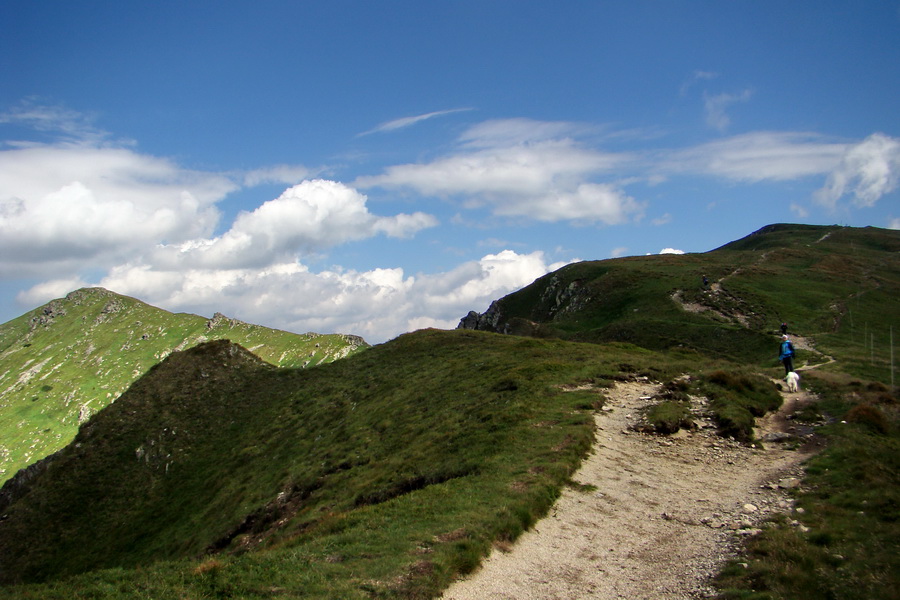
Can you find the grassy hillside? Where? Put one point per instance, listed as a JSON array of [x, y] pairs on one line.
[[384, 473], [838, 285], [68, 359]]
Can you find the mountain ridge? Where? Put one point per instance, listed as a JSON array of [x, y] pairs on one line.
[[67, 359]]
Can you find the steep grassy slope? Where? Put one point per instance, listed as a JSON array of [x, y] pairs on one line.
[[68, 359], [838, 284], [390, 470]]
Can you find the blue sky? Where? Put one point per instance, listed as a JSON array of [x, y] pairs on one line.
[[377, 167]]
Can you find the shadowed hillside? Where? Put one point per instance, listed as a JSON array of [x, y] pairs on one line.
[[66, 360], [412, 455]]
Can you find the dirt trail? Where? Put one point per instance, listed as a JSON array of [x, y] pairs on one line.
[[662, 515]]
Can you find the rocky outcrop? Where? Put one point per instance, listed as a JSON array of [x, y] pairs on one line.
[[558, 297], [219, 320], [490, 320]]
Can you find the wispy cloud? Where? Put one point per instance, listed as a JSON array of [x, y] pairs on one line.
[[867, 171], [286, 174], [410, 121], [757, 156], [65, 125], [696, 77], [716, 106]]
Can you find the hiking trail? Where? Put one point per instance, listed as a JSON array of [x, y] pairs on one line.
[[654, 517]]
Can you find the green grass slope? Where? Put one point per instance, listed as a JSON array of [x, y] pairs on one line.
[[386, 473], [838, 285], [68, 359]]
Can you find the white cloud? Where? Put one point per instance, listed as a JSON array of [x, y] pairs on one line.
[[894, 224], [48, 290], [285, 174], [70, 127], [307, 217], [521, 168], [717, 105], [502, 133], [694, 78], [65, 205], [513, 170], [588, 203], [409, 121], [758, 156], [671, 251], [867, 170], [799, 210], [378, 304]]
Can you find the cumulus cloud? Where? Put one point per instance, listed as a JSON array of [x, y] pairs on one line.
[[85, 203], [307, 217], [378, 304], [48, 290], [61, 206], [520, 168], [867, 171], [671, 251]]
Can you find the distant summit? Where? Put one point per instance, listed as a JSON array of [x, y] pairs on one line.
[[726, 302]]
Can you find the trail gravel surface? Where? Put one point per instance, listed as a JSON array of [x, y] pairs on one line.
[[650, 517]]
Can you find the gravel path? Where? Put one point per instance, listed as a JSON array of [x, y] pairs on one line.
[[661, 514]]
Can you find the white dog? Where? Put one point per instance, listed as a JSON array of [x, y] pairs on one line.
[[793, 382]]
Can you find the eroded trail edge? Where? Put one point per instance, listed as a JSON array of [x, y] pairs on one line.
[[659, 517]]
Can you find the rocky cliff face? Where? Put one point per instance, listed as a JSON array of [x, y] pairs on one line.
[[557, 297], [490, 320]]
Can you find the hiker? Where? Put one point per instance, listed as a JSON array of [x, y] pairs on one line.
[[705, 282], [784, 329], [786, 354]]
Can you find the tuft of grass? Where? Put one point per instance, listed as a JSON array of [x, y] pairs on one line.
[[669, 417], [737, 398]]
